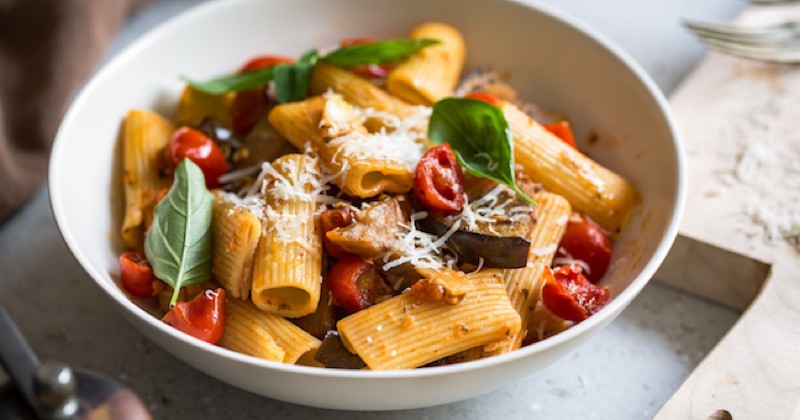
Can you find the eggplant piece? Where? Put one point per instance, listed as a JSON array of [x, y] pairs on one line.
[[496, 251], [333, 354]]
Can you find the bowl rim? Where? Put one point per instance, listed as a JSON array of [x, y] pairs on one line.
[[615, 306]]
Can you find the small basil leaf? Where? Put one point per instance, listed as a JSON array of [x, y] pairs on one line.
[[379, 52], [178, 244], [480, 137], [292, 80], [234, 82]]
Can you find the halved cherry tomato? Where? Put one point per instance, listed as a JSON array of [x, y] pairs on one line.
[[202, 317], [563, 131], [355, 284], [137, 275], [190, 143], [485, 97], [264, 61], [247, 107], [330, 220], [584, 240], [370, 71], [567, 294], [438, 182]]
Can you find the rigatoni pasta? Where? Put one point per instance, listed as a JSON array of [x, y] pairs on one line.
[[288, 264], [432, 74], [144, 136]]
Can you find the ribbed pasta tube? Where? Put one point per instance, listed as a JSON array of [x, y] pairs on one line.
[[408, 331], [601, 194], [234, 236], [287, 270], [195, 106], [145, 134], [257, 333], [356, 90], [433, 72], [360, 176], [524, 284]]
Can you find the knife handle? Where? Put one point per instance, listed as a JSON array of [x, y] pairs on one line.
[[17, 358]]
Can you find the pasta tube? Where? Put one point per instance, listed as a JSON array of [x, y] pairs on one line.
[[288, 264], [234, 236], [407, 331], [433, 72], [601, 194], [359, 174], [256, 333], [145, 134], [195, 106]]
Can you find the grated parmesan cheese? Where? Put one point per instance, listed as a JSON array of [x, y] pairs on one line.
[[493, 207], [421, 249]]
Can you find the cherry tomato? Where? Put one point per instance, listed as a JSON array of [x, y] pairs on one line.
[[584, 240], [567, 294], [438, 181], [247, 107], [330, 220], [355, 284], [485, 97], [189, 143], [137, 275], [202, 317], [563, 131], [264, 61], [370, 71]]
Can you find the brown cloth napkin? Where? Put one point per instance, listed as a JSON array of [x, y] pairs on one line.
[[47, 48]]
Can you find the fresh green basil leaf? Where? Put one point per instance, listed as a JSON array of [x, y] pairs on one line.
[[292, 80], [234, 82], [480, 137], [178, 244], [379, 52]]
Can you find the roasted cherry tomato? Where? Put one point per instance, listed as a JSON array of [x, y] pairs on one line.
[[563, 131], [583, 240], [485, 97], [247, 107], [370, 71], [189, 143], [355, 284], [330, 220], [264, 61], [137, 275], [438, 182], [202, 317], [567, 294]]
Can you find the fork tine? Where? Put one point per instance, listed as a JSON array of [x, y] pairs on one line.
[[776, 33], [775, 54]]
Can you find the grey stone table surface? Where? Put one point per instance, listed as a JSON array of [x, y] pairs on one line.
[[626, 372]]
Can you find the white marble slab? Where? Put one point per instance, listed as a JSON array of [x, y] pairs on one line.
[[627, 371]]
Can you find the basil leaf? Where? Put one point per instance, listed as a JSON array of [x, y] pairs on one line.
[[480, 137], [178, 244], [379, 52], [292, 80], [234, 82]]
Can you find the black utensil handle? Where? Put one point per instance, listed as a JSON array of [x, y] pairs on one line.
[[17, 358]]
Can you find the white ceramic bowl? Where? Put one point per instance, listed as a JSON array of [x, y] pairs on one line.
[[551, 58]]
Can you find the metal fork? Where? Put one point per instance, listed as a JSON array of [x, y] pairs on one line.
[[778, 43]]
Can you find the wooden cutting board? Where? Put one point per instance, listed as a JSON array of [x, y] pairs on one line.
[[740, 121]]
